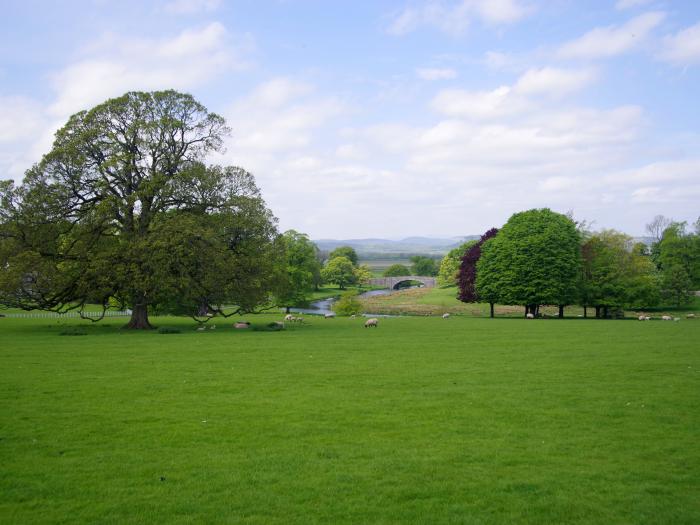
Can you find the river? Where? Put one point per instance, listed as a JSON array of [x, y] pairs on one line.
[[324, 306]]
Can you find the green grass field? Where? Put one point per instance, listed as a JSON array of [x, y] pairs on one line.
[[422, 420]]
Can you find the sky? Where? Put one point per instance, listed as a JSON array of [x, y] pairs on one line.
[[391, 118]]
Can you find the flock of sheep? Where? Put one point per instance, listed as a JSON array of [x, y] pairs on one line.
[[374, 322], [665, 317]]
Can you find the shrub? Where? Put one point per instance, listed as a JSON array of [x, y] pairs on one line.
[[347, 304]]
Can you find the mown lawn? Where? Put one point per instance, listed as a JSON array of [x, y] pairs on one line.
[[422, 420]]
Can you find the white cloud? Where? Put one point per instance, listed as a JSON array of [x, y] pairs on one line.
[[455, 17], [553, 81], [629, 4], [189, 7], [479, 104], [512, 100], [436, 73], [609, 41], [20, 118], [647, 194], [279, 117], [118, 64], [683, 48]]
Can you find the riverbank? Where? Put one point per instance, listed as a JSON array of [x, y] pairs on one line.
[[439, 301]]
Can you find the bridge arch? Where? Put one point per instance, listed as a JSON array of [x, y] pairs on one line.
[[391, 282]]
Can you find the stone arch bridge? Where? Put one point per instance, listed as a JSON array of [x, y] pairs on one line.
[[392, 282]]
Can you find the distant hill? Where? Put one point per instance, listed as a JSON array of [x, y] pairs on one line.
[[438, 246], [409, 245]]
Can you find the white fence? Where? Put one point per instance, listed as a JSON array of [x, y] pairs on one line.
[[57, 315]]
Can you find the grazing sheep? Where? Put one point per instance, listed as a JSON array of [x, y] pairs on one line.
[[690, 316], [372, 322], [666, 318], [298, 320], [201, 328], [676, 319], [642, 318], [445, 316], [353, 316], [328, 316], [530, 316], [212, 327], [289, 317], [242, 325]]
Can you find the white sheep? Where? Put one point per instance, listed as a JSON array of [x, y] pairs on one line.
[[446, 315], [530, 316], [212, 327], [666, 318], [690, 316], [241, 325], [328, 316], [372, 322], [642, 318], [289, 317], [676, 319], [201, 328]]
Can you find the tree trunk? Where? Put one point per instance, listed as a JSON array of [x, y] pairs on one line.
[[585, 311], [139, 318], [597, 312], [527, 309], [605, 312], [287, 309], [491, 305], [561, 311]]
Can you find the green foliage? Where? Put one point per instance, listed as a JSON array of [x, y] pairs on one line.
[[340, 271], [397, 270], [676, 285], [362, 275], [345, 251], [348, 304], [449, 265], [301, 266], [534, 259], [615, 273], [678, 257], [122, 209], [423, 266]]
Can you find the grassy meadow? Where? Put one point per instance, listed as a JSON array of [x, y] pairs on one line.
[[422, 420]]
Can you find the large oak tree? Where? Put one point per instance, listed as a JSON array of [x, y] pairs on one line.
[[122, 209]]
